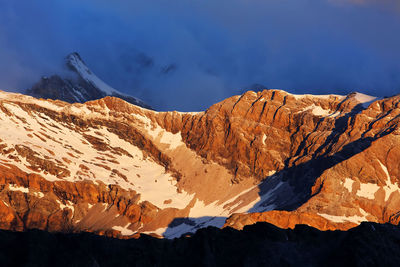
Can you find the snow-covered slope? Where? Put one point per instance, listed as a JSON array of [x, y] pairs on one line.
[[110, 142], [76, 62], [113, 168], [84, 87]]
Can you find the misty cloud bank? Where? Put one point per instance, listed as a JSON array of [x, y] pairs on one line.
[[187, 55]]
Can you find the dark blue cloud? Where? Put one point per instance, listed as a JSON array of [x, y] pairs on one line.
[[187, 55]]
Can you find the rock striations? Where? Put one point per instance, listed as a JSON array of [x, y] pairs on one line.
[[116, 169]]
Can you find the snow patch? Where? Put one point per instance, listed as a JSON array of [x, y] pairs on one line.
[[124, 229], [69, 205], [173, 140], [258, 204], [264, 138], [319, 111], [190, 112], [159, 231], [314, 96], [367, 190], [200, 209], [390, 187], [78, 95], [105, 206], [179, 230], [14, 187], [160, 134], [38, 194], [341, 219], [364, 99], [348, 184]]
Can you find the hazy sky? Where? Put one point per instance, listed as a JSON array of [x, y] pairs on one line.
[[187, 55]]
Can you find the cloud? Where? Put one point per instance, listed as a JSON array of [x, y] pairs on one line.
[[187, 55], [378, 3]]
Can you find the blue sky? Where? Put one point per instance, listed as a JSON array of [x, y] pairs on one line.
[[187, 55]]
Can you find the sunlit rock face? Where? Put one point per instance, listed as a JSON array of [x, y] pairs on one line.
[[116, 169]]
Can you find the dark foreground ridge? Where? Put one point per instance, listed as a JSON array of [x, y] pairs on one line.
[[261, 244]]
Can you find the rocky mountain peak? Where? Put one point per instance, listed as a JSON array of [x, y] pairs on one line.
[[85, 87], [73, 57]]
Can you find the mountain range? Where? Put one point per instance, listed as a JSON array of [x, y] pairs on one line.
[[116, 169]]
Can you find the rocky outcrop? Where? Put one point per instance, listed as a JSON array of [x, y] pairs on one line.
[[31, 202], [354, 177]]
